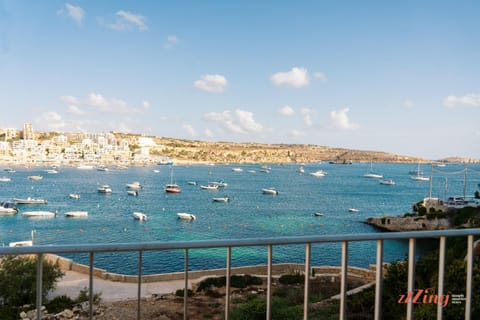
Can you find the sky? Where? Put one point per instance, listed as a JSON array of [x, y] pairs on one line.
[[395, 76]]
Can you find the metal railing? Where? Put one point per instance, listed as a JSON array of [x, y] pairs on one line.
[[344, 239]]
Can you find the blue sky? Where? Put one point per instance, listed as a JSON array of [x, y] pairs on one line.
[[394, 76]]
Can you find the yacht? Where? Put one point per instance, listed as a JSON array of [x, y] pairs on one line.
[[104, 189], [186, 216], [387, 182]]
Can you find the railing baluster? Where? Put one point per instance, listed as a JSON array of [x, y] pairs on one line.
[[307, 281], [227, 284], [90, 287], [441, 276], [139, 281], [343, 282], [39, 284], [468, 291], [379, 281], [269, 283], [411, 275], [185, 290]]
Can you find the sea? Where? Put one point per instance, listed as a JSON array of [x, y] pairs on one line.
[[249, 213]]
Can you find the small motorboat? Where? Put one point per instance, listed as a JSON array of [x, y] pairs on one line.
[[5, 179], [104, 189], [35, 178], [139, 216], [132, 192], [353, 210], [74, 196], [8, 208], [387, 182], [319, 173], [271, 191], [30, 200], [221, 199], [134, 185], [186, 216], [211, 187], [39, 214], [76, 214], [319, 214]]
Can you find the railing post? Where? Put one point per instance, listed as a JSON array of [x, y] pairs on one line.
[[343, 282], [90, 288], [39, 284], [468, 291], [139, 281], [185, 290], [411, 276], [379, 281], [307, 280], [269, 284], [441, 275], [227, 284]]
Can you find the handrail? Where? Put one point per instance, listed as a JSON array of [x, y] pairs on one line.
[[344, 239], [249, 242]]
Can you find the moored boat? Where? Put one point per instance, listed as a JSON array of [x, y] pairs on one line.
[[221, 199], [134, 185], [5, 179], [30, 200], [35, 177], [353, 210], [387, 182], [318, 173], [39, 214], [8, 208], [104, 189], [271, 191], [186, 216], [76, 214], [139, 216], [74, 196]]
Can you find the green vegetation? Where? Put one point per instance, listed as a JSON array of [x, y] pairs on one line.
[[235, 281], [18, 283]]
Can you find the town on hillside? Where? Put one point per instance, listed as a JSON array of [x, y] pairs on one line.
[[28, 147]]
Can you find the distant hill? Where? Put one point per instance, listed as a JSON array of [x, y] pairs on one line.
[[228, 152]]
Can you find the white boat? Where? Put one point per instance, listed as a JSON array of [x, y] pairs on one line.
[[186, 216], [271, 191], [35, 178], [74, 196], [104, 189], [5, 179], [139, 216], [76, 214], [8, 208], [237, 169], [319, 214], [51, 171], [102, 168], [210, 187], [30, 201], [134, 185], [420, 178], [387, 182], [39, 214], [85, 167], [353, 210], [220, 184], [417, 171], [265, 168], [221, 199], [192, 183], [132, 192], [172, 187], [26, 243], [156, 170], [9, 170], [318, 173], [301, 169], [371, 174]]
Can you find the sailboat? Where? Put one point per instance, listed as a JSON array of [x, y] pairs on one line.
[[172, 187], [371, 174], [419, 175]]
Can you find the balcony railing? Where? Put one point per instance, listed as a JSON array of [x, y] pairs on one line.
[[344, 239]]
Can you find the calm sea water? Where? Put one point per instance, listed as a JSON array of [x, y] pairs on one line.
[[249, 214]]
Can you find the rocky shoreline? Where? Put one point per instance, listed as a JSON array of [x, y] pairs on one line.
[[417, 223]]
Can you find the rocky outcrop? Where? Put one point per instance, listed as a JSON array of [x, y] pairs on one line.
[[416, 223]]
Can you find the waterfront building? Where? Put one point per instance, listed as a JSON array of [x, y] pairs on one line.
[[28, 132]]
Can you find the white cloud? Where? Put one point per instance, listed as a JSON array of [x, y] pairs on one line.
[[212, 83], [297, 133], [128, 21], [172, 41], [190, 130], [320, 76], [53, 120], [306, 111], [209, 133], [238, 121], [73, 109], [74, 12], [472, 99], [297, 78], [287, 111], [408, 103], [307, 119], [69, 99], [340, 119], [146, 105]]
